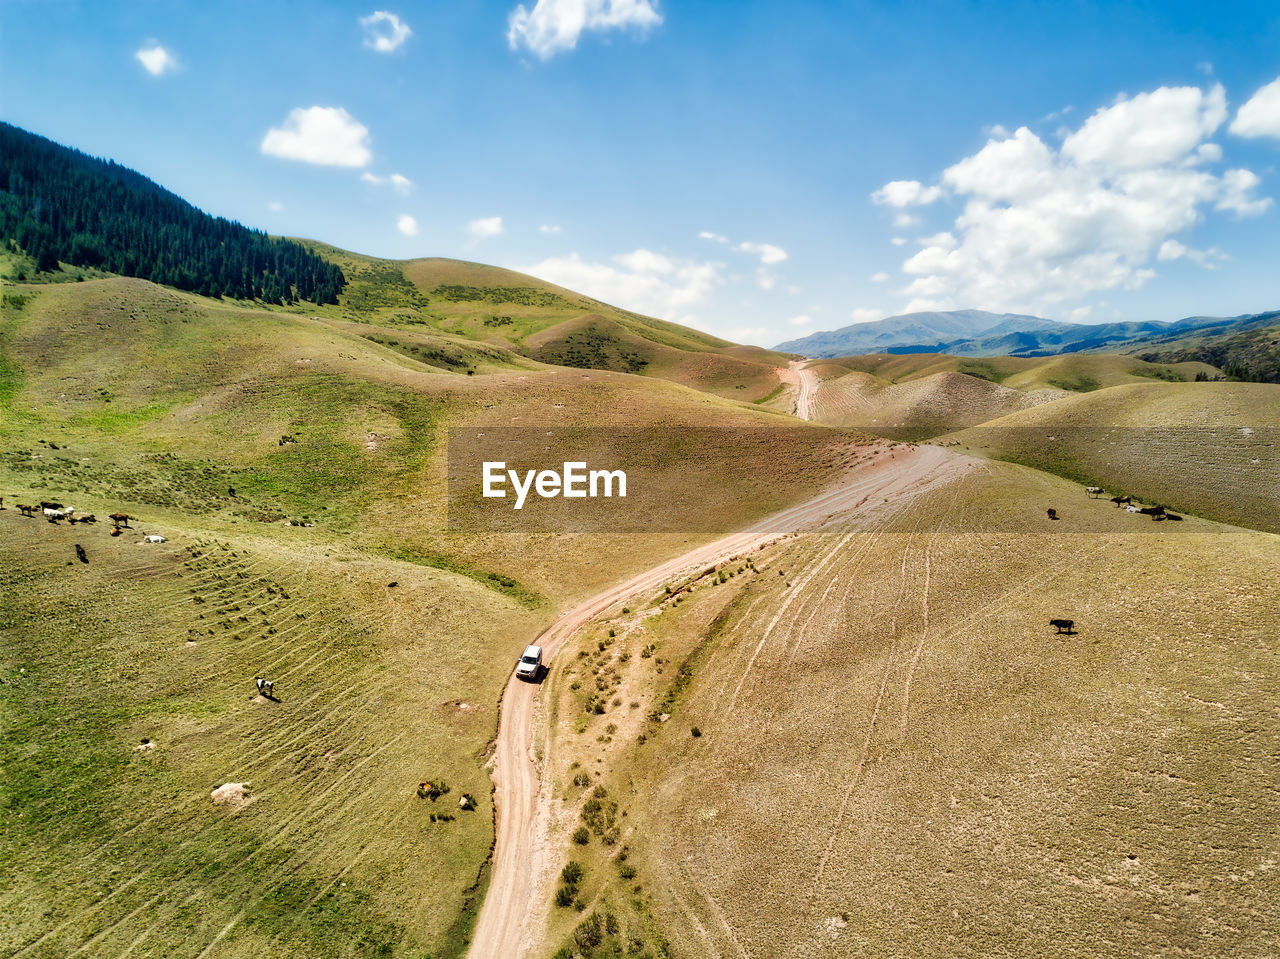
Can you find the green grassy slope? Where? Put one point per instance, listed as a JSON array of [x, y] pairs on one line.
[[220, 426], [521, 313]]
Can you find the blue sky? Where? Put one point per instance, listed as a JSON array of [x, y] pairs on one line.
[[758, 170]]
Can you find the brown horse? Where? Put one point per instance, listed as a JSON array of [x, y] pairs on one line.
[[121, 519], [27, 510]]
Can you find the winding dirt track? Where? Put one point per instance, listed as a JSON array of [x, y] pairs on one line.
[[509, 922]]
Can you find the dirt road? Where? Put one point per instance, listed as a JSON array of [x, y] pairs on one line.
[[509, 923], [805, 383]]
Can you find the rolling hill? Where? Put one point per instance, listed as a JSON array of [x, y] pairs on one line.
[[919, 395], [533, 318], [296, 465]]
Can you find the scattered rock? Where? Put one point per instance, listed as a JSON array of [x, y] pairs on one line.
[[231, 794]]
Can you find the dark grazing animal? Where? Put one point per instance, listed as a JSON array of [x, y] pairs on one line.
[[1152, 511], [1063, 625], [27, 510], [81, 554], [50, 505], [1053, 513], [120, 519], [1122, 500]]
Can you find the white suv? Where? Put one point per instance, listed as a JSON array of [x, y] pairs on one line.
[[530, 663]]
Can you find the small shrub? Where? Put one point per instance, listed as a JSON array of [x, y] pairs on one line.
[[581, 836], [627, 871], [582, 779], [564, 897], [572, 873]]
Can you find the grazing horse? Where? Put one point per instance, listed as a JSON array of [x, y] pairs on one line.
[[1063, 625], [1122, 500], [81, 554], [1094, 491], [27, 510], [121, 519]]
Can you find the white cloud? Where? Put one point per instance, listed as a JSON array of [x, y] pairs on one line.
[[1237, 194], [384, 31], [714, 237], [904, 220], [863, 314], [485, 227], [553, 26], [407, 225], [899, 241], [767, 252], [1079, 314], [1260, 116], [156, 60], [275, 206], [901, 193], [1151, 130], [641, 280], [324, 135], [401, 184], [1042, 226], [944, 240], [549, 228], [881, 277], [1171, 250], [765, 280], [802, 320]]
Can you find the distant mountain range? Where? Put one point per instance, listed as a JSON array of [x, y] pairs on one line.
[[978, 333]]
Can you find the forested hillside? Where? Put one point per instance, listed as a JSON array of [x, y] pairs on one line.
[[58, 204]]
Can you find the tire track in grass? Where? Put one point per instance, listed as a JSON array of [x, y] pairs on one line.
[[196, 801], [312, 809]]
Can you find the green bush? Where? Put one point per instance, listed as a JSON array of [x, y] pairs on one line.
[[581, 836]]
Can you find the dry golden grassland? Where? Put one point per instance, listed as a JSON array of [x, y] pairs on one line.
[[1207, 448], [897, 755], [921, 395]]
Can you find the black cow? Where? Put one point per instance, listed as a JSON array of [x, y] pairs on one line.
[[81, 554], [1063, 625], [1122, 500]]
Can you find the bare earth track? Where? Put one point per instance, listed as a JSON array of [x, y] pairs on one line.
[[507, 924]]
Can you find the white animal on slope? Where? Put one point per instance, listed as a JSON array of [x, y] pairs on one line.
[[55, 514], [153, 538], [1094, 490], [1132, 509]]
